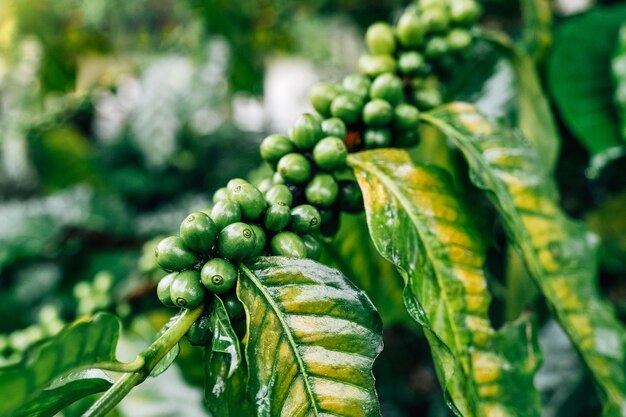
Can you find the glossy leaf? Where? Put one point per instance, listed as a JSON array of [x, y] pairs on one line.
[[352, 252], [312, 340], [64, 392], [84, 344], [224, 340], [170, 356], [224, 394], [579, 76], [560, 253], [417, 222], [534, 114]]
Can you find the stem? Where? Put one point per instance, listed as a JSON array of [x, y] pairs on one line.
[[150, 358]]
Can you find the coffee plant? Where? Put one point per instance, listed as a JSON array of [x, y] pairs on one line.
[[285, 285]]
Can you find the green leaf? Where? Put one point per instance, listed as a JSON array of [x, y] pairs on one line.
[[560, 253], [225, 392], [170, 356], [608, 222], [64, 391], [224, 338], [537, 15], [312, 340], [417, 222], [618, 70], [352, 252], [87, 343], [579, 76], [534, 114]]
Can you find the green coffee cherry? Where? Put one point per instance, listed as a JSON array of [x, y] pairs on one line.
[[187, 290], [435, 18], [436, 47], [236, 241], [277, 178], [330, 153], [198, 231], [233, 306], [321, 95], [220, 195], [234, 183], [260, 241], [218, 275], [406, 117], [250, 200], [347, 107], [387, 87], [357, 84], [334, 127], [374, 65], [410, 30], [410, 62], [458, 39], [163, 289], [407, 139], [306, 131], [322, 190], [265, 185], [225, 212], [294, 168], [313, 247], [279, 194], [275, 147], [331, 224], [377, 112], [201, 332], [327, 213], [173, 255], [350, 197], [464, 11], [380, 39], [277, 217], [304, 219], [427, 98], [377, 138], [288, 244]]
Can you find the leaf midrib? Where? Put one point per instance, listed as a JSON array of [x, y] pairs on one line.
[[287, 332]]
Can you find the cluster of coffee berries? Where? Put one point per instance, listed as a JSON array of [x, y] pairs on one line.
[[243, 224]]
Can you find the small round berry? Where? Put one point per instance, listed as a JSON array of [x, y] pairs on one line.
[[265, 185], [234, 183], [464, 11], [321, 95], [277, 178], [218, 275], [163, 289], [427, 98], [458, 39], [436, 47], [331, 225], [334, 126], [173, 255], [233, 306], [377, 112], [260, 242], [435, 18], [236, 241], [350, 197], [250, 200], [322, 190], [220, 194], [410, 62], [347, 107], [380, 39], [304, 219], [313, 247], [275, 147], [295, 168], [186, 290], [306, 131], [357, 84], [277, 217], [410, 29], [406, 117], [330, 153], [288, 244], [200, 333], [279, 194], [198, 231], [407, 139], [377, 138], [225, 212], [387, 87], [374, 65]]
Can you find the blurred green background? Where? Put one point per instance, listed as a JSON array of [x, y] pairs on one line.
[[117, 118]]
